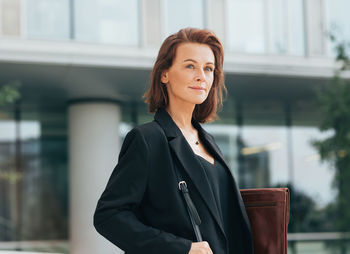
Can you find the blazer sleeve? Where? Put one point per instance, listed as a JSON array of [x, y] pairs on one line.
[[115, 216]]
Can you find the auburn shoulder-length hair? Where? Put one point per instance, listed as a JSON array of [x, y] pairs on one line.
[[157, 95]]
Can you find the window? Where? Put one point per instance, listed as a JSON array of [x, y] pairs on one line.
[[270, 26], [246, 29], [296, 27], [107, 21], [47, 19], [183, 13], [33, 176], [338, 22]]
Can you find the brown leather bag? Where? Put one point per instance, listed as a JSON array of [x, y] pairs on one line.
[[268, 212]]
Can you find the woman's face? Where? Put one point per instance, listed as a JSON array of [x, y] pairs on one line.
[[191, 75]]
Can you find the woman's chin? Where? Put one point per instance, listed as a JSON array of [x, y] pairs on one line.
[[198, 102]]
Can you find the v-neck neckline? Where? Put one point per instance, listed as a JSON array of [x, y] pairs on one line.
[[213, 164]]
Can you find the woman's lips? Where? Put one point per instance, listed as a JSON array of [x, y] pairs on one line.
[[197, 88]]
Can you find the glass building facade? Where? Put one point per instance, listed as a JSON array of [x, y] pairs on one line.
[[273, 27], [266, 141], [33, 174]]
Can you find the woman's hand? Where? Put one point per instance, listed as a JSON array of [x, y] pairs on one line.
[[200, 248]]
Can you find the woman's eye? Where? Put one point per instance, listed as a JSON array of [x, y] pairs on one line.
[[208, 69], [190, 66]]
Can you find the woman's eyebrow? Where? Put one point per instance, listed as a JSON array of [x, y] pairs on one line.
[[191, 60]]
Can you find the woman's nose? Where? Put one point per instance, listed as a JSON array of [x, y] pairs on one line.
[[200, 76]]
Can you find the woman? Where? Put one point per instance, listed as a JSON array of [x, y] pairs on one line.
[[142, 209]]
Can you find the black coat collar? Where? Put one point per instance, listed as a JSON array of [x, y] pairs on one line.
[[185, 156]]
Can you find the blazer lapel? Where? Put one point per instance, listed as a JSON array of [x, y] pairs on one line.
[[189, 162], [215, 151]]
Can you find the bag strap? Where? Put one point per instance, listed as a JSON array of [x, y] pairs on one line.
[[191, 209]]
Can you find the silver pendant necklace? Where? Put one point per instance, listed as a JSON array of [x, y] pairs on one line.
[[196, 140]]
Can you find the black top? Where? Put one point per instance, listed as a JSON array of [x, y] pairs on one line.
[[222, 187]]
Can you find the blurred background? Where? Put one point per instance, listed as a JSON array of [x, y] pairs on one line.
[[72, 74]]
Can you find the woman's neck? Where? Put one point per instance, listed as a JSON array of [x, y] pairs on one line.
[[182, 116]]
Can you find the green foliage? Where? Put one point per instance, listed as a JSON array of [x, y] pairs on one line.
[[334, 103], [9, 93], [305, 216], [342, 50]]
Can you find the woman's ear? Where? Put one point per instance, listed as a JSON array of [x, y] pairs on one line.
[[164, 77]]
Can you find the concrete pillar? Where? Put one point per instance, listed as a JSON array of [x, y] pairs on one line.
[[10, 14], [151, 23], [216, 18], [93, 150]]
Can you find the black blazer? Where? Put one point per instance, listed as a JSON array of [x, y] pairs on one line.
[[142, 210]]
